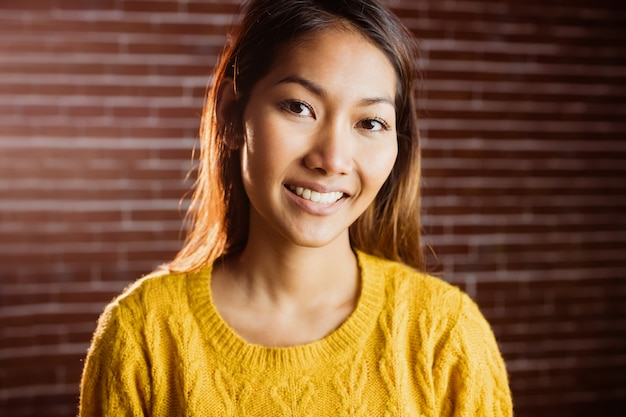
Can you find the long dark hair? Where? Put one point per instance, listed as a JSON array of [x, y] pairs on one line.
[[218, 214]]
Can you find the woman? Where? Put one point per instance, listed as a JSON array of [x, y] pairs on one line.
[[298, 290]]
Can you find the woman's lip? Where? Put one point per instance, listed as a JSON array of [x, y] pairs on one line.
[[316, 197], [315, 187], [312, 207]]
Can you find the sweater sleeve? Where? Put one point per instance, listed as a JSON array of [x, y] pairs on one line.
[[116, 376], [470, 371]]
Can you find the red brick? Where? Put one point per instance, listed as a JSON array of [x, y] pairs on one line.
[[523, 136]]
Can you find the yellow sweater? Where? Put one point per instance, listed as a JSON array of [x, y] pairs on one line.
[[414, 346]]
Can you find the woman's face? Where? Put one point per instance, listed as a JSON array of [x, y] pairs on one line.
[[320, 138]]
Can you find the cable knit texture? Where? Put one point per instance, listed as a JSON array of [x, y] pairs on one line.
[[414, 346]]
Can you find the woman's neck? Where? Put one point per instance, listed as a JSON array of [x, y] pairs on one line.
[[286, 296], [283, 272]]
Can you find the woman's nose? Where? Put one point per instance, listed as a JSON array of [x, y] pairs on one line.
[[331, 152]]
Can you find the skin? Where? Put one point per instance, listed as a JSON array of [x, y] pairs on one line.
[[322, 119]]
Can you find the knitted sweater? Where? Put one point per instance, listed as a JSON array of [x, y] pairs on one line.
[[414, 346]]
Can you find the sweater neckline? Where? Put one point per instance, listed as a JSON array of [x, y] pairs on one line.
[[232, 348]]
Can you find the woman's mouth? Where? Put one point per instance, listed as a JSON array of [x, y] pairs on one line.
[[315, 196]]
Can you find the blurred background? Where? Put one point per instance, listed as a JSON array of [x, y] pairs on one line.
[[523, 118]]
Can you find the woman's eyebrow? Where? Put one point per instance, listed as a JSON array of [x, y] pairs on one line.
[[319, 91], [309, 85]]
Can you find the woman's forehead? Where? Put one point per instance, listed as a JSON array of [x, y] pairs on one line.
[[336, 55]]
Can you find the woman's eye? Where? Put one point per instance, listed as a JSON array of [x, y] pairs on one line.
[[297, 107], [374, 125]]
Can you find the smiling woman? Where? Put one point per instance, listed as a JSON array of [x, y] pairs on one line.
[[314, 123], [299, 290]]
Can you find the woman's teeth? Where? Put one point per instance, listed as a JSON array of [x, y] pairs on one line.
[[316, 197]]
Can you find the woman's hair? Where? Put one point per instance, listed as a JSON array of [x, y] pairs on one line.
[[218, 213]]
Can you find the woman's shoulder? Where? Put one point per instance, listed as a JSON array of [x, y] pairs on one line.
[[157, 291], [438, 309], [422, 293], [155, 285], [400, 276]]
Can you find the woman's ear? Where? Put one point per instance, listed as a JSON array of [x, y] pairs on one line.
[[226, 114]]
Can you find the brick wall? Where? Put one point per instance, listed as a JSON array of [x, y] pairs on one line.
[[523, 119]]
